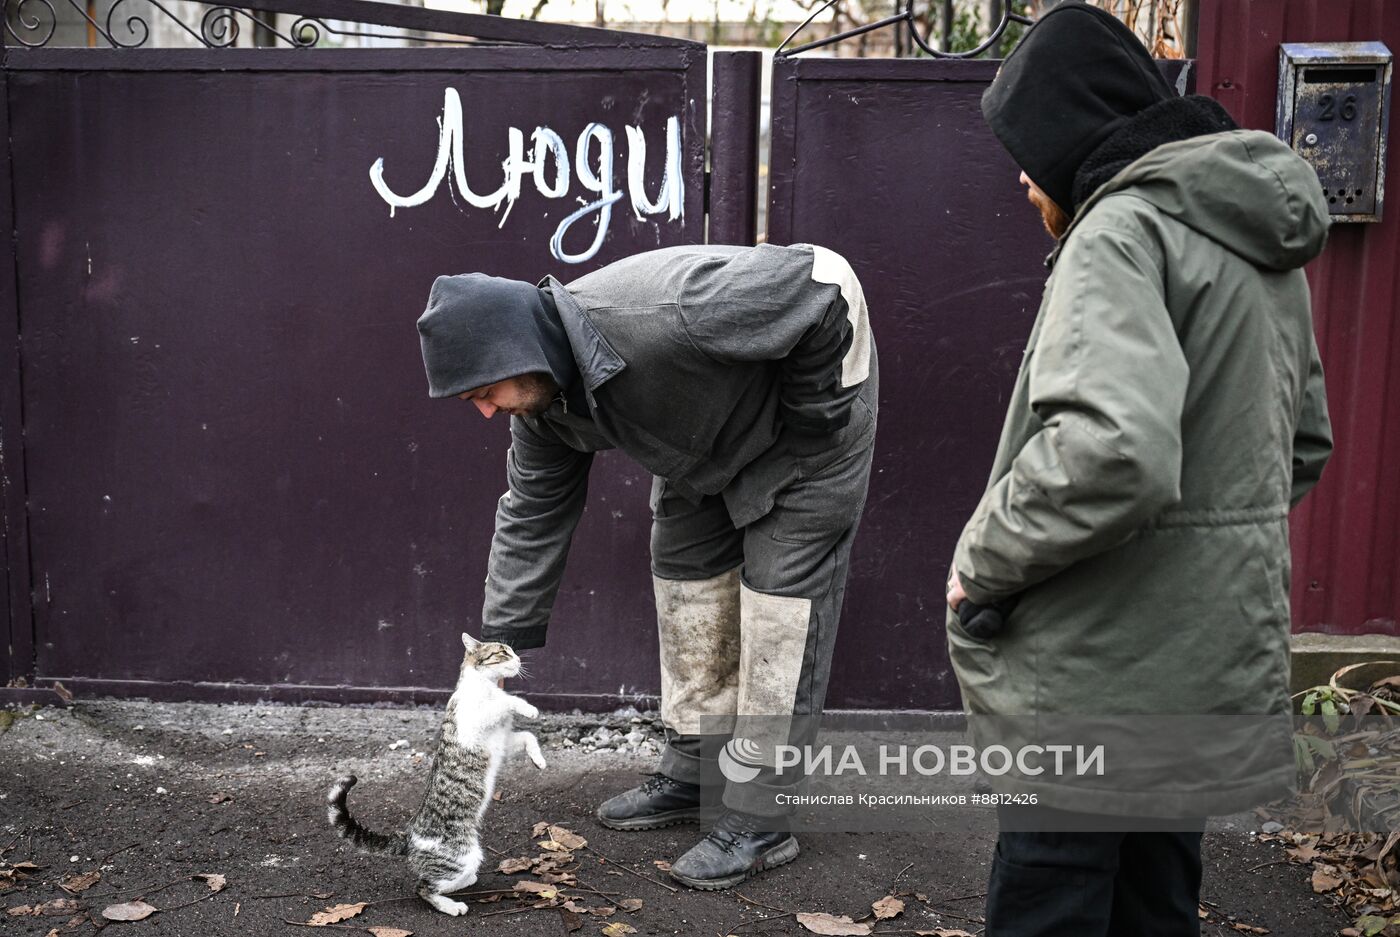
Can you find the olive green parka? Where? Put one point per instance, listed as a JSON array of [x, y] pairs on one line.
[[1169, 412]]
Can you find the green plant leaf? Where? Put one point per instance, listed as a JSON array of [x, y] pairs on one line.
[[1329, 715], [1323, 747], [1302, 755], [1370, 925]]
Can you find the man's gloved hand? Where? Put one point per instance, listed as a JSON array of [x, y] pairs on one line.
[[981, 622]]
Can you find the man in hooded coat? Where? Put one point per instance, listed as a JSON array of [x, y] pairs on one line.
[[745, 380], [1129, 560]]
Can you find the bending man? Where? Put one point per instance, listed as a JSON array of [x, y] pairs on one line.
[[745, 381]]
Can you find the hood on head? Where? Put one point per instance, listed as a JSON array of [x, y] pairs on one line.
[[1245, 190], [1075, 76], [480, 329]]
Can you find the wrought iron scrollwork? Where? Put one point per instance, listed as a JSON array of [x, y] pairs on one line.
[[306, 32], [220, 28], [32, 23], [904, 19], [135, 25]]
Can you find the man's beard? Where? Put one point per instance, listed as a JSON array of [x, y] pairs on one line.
[[537, 392], [1052, 215]]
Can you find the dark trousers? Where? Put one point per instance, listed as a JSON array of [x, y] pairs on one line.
[[747, 616], [1063, 883]]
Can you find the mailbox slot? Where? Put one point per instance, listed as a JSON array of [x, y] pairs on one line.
[[1334, 110]]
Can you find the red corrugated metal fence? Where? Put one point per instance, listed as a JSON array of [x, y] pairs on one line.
[[1346, 535]]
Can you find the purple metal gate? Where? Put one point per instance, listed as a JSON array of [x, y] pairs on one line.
[[235, 483], [889, 163], [222, 476]]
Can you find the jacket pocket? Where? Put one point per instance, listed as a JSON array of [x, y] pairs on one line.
[[814, 457], [979, 668]]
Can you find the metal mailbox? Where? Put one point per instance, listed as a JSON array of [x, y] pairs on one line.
[[1334, 110]]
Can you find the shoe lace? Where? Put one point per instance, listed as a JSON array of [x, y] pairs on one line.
[[656, 782], [728, 839]]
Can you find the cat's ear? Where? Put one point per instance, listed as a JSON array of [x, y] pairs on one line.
[[468, 641]]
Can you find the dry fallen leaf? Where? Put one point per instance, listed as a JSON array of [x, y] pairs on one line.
[[52, 933], [539, 829], [630, 904], [887, 907], [58, 906], [63, 692], [571, 920], [215, 881], [549, 862], [390, 932], [515, 865], [337, 913], [830, 925], [129, 911], [1248, 928], [942, 932], [564, 839], [77, 884], [618, 929], [661, 864], [1304, 853], [537, 888], [1323, 882], [219, 797]]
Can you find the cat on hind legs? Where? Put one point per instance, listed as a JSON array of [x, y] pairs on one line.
[[442, 841]]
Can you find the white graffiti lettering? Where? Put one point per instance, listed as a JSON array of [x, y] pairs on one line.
[[594, 175]]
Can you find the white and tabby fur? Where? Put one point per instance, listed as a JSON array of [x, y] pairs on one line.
[[442, 841]]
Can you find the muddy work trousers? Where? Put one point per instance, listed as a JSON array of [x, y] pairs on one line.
[[747, 620]]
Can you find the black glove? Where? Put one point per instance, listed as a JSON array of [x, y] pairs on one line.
[[984, 622]]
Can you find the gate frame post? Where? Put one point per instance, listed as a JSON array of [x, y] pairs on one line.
[[732, 182], [18, 660]]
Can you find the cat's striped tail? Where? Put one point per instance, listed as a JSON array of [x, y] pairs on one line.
[[348, 828]]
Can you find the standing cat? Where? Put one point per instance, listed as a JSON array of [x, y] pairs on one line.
[[442, 841]]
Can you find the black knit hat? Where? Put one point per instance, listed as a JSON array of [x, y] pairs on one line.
[[1076, 77]]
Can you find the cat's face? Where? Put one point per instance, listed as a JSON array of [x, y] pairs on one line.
[[488, 657]]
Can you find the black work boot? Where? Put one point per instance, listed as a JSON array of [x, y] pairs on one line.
[[659, 801], [731, 852]]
